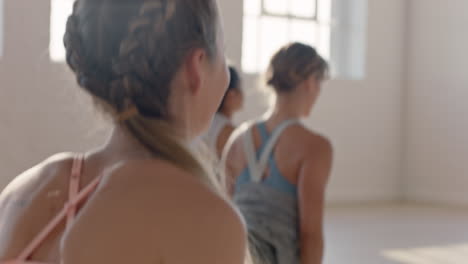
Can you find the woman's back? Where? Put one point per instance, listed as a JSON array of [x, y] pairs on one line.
[[29, 203], [150, 206], [283, 198], [272, 202], [295, 145]]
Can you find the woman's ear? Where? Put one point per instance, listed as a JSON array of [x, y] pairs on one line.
[[311, 83], [195, 69]]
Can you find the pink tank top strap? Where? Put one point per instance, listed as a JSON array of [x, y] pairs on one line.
[[68, 212], [22, 262], [74, 188]]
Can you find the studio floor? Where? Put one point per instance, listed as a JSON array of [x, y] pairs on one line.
[[396, 234]]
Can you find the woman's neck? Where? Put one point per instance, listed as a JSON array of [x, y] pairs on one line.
[[123, 146], [286, 108]]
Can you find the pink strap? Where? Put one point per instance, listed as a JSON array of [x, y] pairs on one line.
[[74, 186], [16, 261], [68, 211], [22, 262]]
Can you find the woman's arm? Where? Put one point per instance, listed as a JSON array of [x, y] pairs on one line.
[[234, 164], [223, 139], [313, 179]]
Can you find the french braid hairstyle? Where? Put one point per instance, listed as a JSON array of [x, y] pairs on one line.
[[125, 53]]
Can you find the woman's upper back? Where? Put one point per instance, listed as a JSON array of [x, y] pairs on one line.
[[295, 145], [270, 196], [29, 203], [261, 164], [143, 211]]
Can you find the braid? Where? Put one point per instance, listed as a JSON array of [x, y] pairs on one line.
[[140, 65], [133, 76], [127, 53], [87, 73]]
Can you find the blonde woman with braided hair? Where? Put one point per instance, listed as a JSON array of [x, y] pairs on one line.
[[157, 67]]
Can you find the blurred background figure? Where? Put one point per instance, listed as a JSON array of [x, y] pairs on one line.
[[279, 169], [222, 126]]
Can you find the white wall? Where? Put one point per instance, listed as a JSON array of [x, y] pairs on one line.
[[41, 113], [437, 148]]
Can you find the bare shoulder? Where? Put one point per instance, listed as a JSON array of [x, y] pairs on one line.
[[31, 181], [313, 143], [316, 154], [146, 212]]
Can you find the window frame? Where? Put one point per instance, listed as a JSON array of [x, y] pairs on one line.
[[256, 64], [264, 12]]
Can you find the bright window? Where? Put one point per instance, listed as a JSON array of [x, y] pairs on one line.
[[60, 10], [270, 24]]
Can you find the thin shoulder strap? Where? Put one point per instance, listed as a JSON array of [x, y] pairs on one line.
[[249, 149], [69, 206], [263, 161], [237, 134], [74, 188], [262, 130]]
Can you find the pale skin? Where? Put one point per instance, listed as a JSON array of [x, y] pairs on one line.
[[145, 210], [303, 157]]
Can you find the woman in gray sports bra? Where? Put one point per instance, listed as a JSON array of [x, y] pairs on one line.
[[279, 169]]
